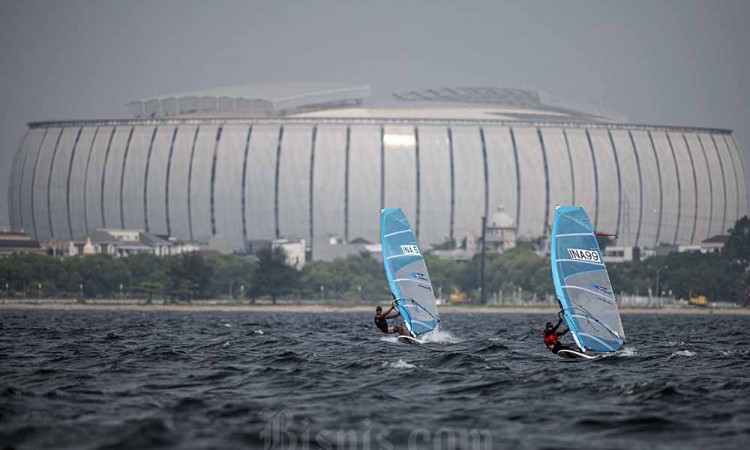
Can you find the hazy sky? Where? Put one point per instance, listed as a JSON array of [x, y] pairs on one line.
[[668, 62]]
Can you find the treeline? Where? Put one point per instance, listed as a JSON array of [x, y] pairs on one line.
[[719, 276]]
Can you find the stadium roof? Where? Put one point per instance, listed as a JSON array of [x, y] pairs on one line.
[[258, 99], [339, 101]]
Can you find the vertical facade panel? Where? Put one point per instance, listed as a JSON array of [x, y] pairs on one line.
[[501, 168], [77, 193], [533, 179], [365, 174], [401, 170], [179, 180], [630, 205], [651, 191], [58, 187], [15, 180], [200, 183], [730, 183], [156, 180], [294, 182], [261, 181], [95, 176], [42, 173], [583, 170], [329, 177], [670, 187], [687, 187], [703, 183], [35, 141], [468, 169], [718, 196], [741, 180], [230, 162], [561, 171], [435, 186], [134, 179], [609, 218], [113, 177]]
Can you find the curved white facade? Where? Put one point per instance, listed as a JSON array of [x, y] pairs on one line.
[[248, 179]]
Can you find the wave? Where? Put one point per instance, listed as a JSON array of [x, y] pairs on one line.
[[400, 364]]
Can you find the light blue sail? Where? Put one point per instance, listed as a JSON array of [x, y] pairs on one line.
[[582, 284], [407, 273]]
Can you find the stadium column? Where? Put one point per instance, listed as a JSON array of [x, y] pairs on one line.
[[741, 180], [77, 181], [717, 185], [228, 186], [434, 186], [328, 191], [134, 173], [26, 209], [730, 183], [704, 196], [40, 195]]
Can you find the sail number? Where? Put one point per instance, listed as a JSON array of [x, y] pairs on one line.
[[584, 255], [410, 250]]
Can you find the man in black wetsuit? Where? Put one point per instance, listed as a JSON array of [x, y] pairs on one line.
[[551, 337], [382, 324]]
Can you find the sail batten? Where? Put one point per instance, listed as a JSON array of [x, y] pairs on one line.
[[407, 273], [582, 284]]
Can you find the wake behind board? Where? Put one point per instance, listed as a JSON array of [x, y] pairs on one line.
[[409, 340], [572, 354]]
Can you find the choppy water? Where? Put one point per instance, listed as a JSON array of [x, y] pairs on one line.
[[98, 379]]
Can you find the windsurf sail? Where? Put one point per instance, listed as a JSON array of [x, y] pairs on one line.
[[407, 273], [582, 284]]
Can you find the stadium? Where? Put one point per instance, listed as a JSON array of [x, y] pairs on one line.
[[313, 160]]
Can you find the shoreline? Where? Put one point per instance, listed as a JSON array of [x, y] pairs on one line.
[[331, 308]]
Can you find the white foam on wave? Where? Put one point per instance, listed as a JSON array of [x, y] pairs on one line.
[[400, 364], [392, 339], [440, 337], [258, 331], [627, 352], [682, 353]]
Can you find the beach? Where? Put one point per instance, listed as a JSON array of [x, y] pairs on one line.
[[323, 307]]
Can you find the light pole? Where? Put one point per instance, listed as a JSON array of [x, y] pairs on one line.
[[81, 287], [322, 292], [658, 291], [120, 290], [242, 292], [359, 292], [39, 291], [7, 290]]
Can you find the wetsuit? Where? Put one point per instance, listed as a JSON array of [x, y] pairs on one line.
[[382, 324], [552, 339]]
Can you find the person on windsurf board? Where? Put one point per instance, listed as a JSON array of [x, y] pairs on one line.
[[381, 321], [551, 337]]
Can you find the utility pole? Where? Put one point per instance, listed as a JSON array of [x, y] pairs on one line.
[[481, 265]]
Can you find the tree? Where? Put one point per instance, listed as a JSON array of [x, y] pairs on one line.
[[189, 277], [272, 276]]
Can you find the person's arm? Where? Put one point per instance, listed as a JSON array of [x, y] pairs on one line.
[[559, 322], [393, 309]]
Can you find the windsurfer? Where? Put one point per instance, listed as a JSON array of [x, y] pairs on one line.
[[552, 338], [382, 324]]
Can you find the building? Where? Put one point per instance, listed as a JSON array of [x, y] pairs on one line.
[[307, 161], [500, 232], [129, 242], [617, 254], [13, 243]]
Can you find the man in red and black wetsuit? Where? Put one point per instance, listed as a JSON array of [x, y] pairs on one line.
[[552, 338]]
